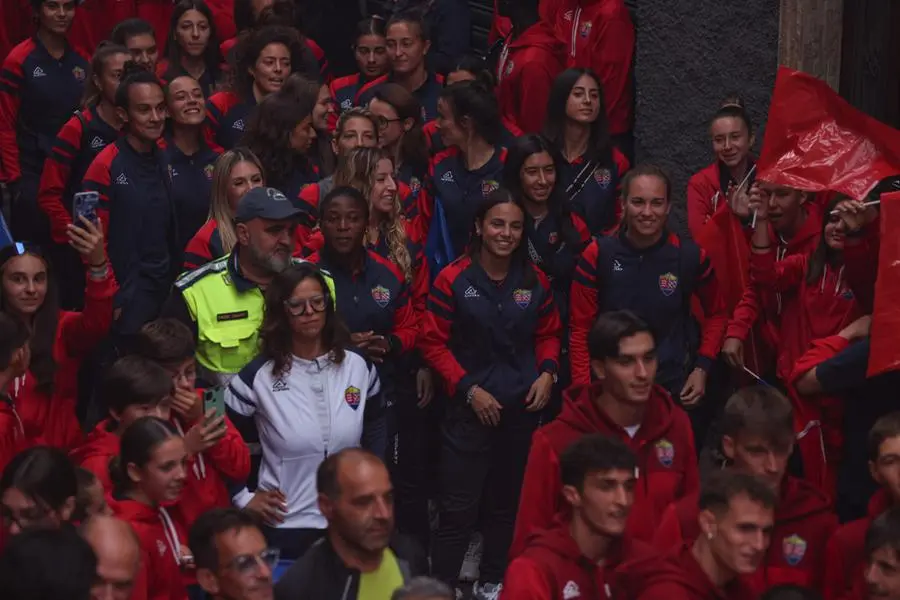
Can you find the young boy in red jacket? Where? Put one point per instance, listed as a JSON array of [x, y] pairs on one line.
[[736, 519], [845, 558], [757, 438], [624, 404], [588, 555]]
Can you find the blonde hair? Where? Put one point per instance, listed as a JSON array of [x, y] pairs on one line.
[[353, 113], [357, 169], [219, 209]]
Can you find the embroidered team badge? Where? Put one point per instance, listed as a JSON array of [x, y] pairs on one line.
[[794, 549], [414, 185], [665, 452], [488, 186], [208, 171], [352, 397], [553, 237], [522, 298], [381, 295], [78, 72], [586, 29], [668, 283], [603, 177]]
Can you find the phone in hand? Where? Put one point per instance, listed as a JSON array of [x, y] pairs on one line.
[[84, 204], [214, 399]]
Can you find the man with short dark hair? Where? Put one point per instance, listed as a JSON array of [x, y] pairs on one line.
[[758, 438], [118, 554], [625, 404], [882, 573], [590, 551], [232, 558], [359, 557], [737, 515]]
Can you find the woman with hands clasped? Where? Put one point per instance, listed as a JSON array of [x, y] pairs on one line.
[[492, 331]]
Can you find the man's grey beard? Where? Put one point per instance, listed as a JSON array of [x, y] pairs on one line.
[[268, 263]]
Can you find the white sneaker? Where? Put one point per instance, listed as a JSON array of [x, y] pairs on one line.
[[488, 591], [469, 569]]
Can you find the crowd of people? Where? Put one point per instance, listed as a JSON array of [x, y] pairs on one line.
[[412, 324]]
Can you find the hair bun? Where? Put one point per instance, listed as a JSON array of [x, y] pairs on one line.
[[131, 68], [733, 100]]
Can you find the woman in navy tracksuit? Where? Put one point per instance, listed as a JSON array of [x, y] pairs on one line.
[[41, 84], [372, 60], [492, 332], [192, 47], [189, 160], [576, 126], [77, 144]]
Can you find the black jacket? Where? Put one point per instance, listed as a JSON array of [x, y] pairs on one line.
[[321, 575]]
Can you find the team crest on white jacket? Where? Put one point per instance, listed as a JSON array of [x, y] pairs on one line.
[[571, 591], [352, 397]]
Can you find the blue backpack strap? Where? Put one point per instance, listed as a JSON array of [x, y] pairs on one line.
[[439, 245]]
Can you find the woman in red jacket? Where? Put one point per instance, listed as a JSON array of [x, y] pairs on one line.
[[235, 173], [192, 47], [37, 489], [150, 475], [45, 397]]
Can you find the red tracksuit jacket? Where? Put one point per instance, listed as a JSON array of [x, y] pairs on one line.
[[803, 523], [97, 450], [667, 462], [683, 579], [161, 538], [600, 36], [528, 65], [845, 554], [552, 566]]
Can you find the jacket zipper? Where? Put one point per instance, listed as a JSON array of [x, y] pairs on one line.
[[575, 19]]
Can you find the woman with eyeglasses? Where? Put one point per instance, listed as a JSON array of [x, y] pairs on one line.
[[37, 489], [45, 397], [310, 394], [192, 48], [148, 476]]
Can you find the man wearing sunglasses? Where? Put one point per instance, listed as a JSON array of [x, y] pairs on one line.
[[232, 558]]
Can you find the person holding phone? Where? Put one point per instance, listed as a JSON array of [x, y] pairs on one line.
[[310, 394], [217, 451]]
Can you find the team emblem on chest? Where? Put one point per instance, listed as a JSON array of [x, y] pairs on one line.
[[381, 295], [488, 186], [603, 177], [586, 29], [78, 72], [414, 185], [208, 171], [665, 452], [522, 298], [352, 397], [668, 283], [794, 548]]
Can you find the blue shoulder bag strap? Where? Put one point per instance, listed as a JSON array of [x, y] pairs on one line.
[[438, 246]]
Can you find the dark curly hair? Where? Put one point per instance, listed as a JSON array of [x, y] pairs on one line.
[[275, 333], [251, 44]]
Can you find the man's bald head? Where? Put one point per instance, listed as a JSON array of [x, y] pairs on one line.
[[118, 557], [328, 475]]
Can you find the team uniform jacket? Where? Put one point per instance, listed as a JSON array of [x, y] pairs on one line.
[[497, 337], [664, 445], [598, 199], [600, 36], [32, 417], [460, 191], [844, 577], [657, 283], [100, 446], [707, 193], [556, 257], [77, 145], [552, 567], [528, 65], [227, 116], [38, 94], [427, 94], [344, 91], [804, 521], [315, 409], [190, 182], [205, 246], [683, 579], [139, 225]]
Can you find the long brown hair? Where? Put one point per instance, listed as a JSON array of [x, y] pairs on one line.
[[221, 178], [105, 51]]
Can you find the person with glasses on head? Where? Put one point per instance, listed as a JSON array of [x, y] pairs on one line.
[[232, 557], [37, 490], [310, 394]]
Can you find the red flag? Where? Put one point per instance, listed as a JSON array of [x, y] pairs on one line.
[[816, 141], [884, 351]]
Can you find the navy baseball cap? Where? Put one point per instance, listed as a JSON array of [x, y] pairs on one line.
[[265, 203]]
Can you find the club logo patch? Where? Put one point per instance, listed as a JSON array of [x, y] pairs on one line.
[[488, 186], [603, 177], [668, 283], [208, 171], [522, 298], [553, 237], [381, 295], [414, 185], [794, 549], [352, 397], [665, 452], [78, 72], [586, 29]]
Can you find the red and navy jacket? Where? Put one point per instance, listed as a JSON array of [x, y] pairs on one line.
[[497, 337], [528, 65], [205, 246], [555, 245], [77, 145], [664, 446], [508, 134], [227, 115], [427, 94], [38, 94], [707, 192], [344, 90], [592, 190], [460, 190], [804, 522], [190, 184], [413, 178], [658, 283], [139, 225]]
